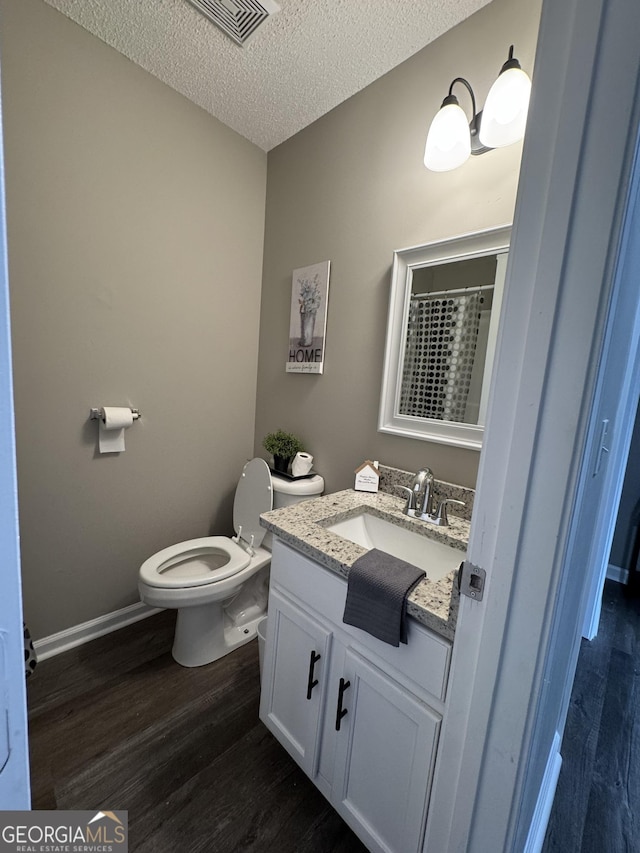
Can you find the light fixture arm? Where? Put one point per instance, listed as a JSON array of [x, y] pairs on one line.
[[474, 125], [510, 63], [469, 89]]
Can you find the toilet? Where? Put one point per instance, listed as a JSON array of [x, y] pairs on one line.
[[220, 585]]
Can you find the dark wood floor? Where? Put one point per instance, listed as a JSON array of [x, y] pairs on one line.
[[117, 724], [597, 803]]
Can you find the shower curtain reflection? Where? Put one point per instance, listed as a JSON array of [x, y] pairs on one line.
[[440, 353]]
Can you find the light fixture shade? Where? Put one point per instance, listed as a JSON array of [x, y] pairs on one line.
[[449, 140], [505, 113]]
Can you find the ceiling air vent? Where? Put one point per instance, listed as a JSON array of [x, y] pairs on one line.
[[239, 19]]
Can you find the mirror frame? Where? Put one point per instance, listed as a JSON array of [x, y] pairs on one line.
[[465, 247]]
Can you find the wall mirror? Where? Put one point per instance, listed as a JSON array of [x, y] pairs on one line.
[[444, 310]]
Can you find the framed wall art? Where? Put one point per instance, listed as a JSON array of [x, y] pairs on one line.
[[308, 319]]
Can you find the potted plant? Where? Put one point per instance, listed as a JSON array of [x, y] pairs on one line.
[[283, 446]]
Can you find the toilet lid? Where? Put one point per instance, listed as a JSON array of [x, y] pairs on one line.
[[253, 497]]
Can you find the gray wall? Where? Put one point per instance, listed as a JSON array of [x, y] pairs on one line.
[[135, 224], [351, 188]]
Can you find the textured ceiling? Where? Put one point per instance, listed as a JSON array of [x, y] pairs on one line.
[[302, 61]]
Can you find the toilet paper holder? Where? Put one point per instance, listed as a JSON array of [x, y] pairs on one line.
[[97, 414]]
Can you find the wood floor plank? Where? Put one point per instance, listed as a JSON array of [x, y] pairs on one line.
[[627, 636], [598, 792], [241, 793], [611, 813], [146, 767], [99, 662], [328, 832], [580, 743], [154, 691]]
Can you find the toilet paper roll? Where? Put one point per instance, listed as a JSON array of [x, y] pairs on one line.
[[114, 421], [301, 464]]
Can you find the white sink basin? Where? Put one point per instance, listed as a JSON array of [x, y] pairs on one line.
[[371, 531]]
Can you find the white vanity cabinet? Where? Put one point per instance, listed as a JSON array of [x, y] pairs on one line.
[[361, 717], [296, 681]]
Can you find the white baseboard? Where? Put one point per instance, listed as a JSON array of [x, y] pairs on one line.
[[617, 573], [538, 828], [47, 647]]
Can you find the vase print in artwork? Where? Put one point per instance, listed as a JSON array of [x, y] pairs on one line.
[[307, 324], [308, 319], [309, 299]]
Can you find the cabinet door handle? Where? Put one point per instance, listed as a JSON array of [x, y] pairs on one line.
[[311, 681], [340, 711]]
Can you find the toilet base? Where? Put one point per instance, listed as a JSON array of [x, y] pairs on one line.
[[199, 640], [206, 632]]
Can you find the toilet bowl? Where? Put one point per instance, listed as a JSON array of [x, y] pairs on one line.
[[220, 585]]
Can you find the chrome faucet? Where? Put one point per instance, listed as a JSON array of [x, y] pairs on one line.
[[420, 500], [425, 478], [419, 495]]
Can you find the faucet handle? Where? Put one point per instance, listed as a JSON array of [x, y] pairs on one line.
[[441, 515], [411, 498]]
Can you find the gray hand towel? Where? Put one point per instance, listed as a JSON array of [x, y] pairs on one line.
[[377, 588]]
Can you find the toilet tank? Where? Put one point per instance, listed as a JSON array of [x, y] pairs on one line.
[[288, 492]]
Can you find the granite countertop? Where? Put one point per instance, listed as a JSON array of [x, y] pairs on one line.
[[432, 602]]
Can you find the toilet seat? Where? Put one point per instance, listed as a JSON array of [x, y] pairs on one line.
[[211, 559], [194, 563]]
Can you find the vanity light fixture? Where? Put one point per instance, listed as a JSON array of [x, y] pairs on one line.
[[452, 138]]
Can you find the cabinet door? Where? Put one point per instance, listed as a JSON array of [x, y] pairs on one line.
[[293, 686], [384, 758]]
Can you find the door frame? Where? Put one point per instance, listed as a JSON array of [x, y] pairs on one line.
[[14, 774], [572, 197]]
